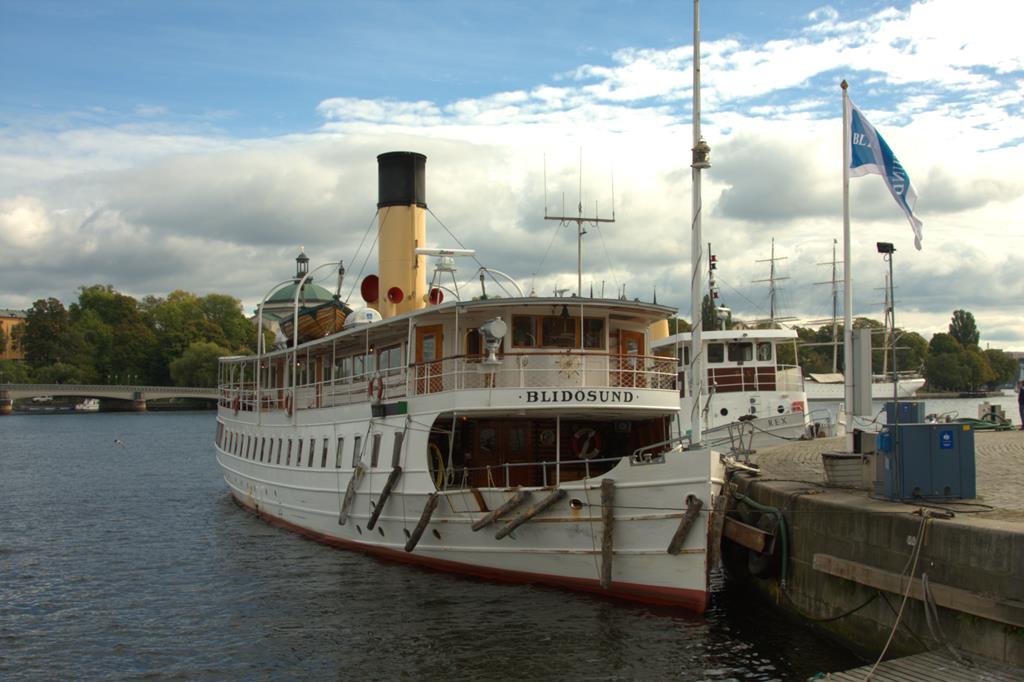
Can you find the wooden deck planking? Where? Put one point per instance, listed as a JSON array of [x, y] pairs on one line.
[[928, 667]]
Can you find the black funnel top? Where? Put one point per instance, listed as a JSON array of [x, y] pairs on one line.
[[401, 179]]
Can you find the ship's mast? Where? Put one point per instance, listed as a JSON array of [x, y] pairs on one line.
[[701, 160], [772, 279], [835, 306]]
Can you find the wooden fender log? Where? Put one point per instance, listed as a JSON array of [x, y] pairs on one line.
[[693, 507], [511, 503], [428, 511], [607, 522], [384, 494], [528, 513], [350, 493]]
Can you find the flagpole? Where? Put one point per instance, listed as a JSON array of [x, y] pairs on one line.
[[847, 284]]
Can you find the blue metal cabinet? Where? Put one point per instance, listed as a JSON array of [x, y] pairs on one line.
[[929, 461]]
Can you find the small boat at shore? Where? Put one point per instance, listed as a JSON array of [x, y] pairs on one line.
[[88, 405]]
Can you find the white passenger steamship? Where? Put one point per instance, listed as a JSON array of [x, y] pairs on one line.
[[526, 439]]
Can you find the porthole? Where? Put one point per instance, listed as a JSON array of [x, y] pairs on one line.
[[724, 411], [575, 504], [437, 534], [780, 409]]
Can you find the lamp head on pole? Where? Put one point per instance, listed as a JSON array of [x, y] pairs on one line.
[[701, 155], [885, 247]]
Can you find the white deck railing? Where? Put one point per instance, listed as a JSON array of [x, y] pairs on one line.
[[566, 369]]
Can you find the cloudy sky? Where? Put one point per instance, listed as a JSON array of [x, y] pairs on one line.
[[197, 144]]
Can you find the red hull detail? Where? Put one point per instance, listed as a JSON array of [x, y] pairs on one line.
[[692, 600]]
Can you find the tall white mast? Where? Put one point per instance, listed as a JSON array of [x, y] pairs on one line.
[[701, 160], [847, 282]]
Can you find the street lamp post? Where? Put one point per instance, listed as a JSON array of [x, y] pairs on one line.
[[887, 250]]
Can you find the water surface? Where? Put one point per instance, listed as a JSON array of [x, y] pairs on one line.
[[133, 563]]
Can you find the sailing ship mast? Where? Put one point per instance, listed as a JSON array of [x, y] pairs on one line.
[[701, 160]]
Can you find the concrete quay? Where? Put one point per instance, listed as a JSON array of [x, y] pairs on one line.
[[852, 557]]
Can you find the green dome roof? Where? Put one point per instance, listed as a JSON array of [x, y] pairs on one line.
[[311, 293]]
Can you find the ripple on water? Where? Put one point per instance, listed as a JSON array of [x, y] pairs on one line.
[[133, 563]]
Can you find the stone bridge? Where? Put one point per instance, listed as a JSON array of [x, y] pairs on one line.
[[138, 395]]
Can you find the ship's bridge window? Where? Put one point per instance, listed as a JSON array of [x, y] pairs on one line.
[[559, 331], [474, 344], [764, 351], [741, 351], [343, 368], [524, 331], [716, 352], [593, 332], [389, 358], [683, 355]]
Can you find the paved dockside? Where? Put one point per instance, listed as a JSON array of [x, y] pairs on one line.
[[999, 467], [849, 554]]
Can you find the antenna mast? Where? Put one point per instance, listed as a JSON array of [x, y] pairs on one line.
[[579, 219]]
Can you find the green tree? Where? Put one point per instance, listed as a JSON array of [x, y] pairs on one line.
[[978, 373], [963, 329], [15, 372], [45, 336], [198, 364], [944, 343], [1004, 368], [945, 372], [911, 351], [3, 340]]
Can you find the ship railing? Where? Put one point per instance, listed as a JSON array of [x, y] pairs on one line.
[[544, 473], [562, 369]]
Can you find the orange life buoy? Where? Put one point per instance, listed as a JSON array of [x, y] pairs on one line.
[[586, 443], [797, 406]]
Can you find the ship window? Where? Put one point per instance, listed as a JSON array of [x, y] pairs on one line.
[[396, 450], [741, 352], [593, 332], [312, 448], [323, 457], [524, 332], [358, 366], [716, 352], [517, 439], [764, 351], [683, 355], [357, 451], [288, 459], [280, 446], [337, 454], [298, 455], [390, 358], [375, 453], [559, 331], [343, 368], [248, 447], [474, 344]]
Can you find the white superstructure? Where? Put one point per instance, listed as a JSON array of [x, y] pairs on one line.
[[751, 399]]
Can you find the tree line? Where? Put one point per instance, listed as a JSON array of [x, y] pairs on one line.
[[950, 361], [106, 337]]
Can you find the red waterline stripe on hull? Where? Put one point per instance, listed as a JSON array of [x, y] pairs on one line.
[[692, 600]]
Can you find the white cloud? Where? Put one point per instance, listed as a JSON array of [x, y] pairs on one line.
[[151, 207]]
